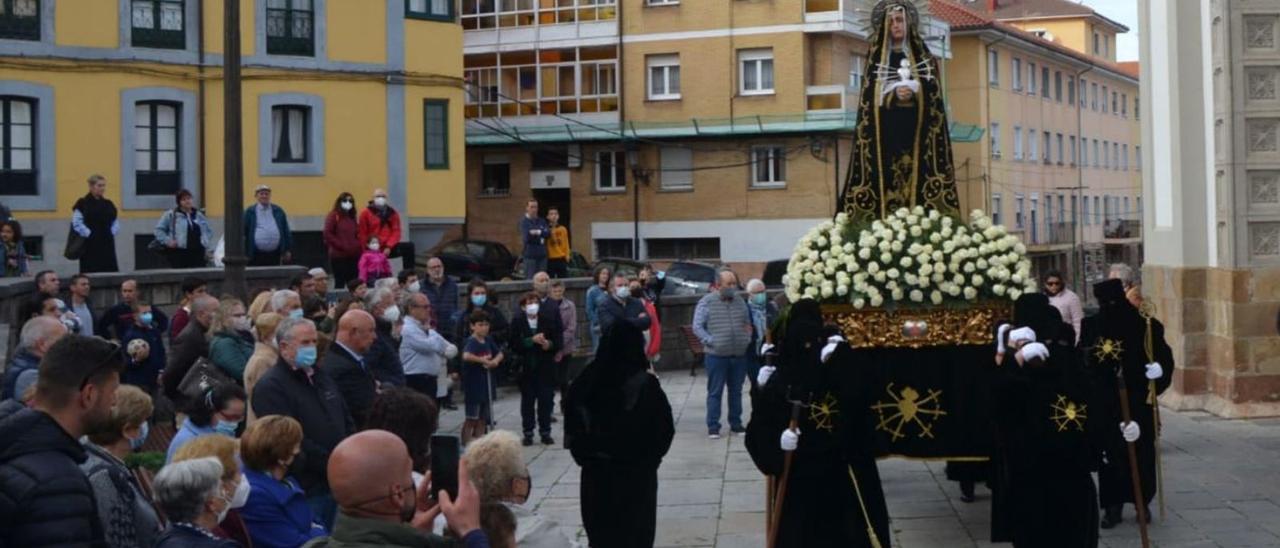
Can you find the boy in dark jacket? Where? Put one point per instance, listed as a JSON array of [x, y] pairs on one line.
[[143, 369]]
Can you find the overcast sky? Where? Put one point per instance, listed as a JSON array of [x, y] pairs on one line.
[[1126, 13]]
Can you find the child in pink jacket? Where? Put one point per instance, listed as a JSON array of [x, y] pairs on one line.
[[374, 264]]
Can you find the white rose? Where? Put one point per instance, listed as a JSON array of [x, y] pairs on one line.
[[968, 268], [891, 285], [879, 277], [946, 230], [926, 270], [947, 221], [902, 213], [886, 257], [827, 291], [905, 262], [954, 291], [935, 237], [982, 264], [821, 241], [998, 289], [947, 246], [936, 297], [896, 294], [859, 303], [1020, 249], [1016, 279], [913, 220], [892, 273], [1015, 293], [842, 218], [896, 246], [977, 280], [940, 268], [957, 279], [933, 214], [937, 277], [977, 237], [970, 293], [876, 300], [813, 256], [885, 245], [926, 224], [911, 279], [917, 296], [918, 210], [873, 268], [877, 225], [864, 253], [937, 256]]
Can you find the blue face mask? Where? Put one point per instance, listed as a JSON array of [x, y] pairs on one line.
[[759, 299], [479, 300], [306, 357], [144, 430], [295, 313], [147, 318], [226, 428]]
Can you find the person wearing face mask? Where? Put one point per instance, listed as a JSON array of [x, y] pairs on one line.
[[382, 356], [220, 412], [342, 238], [295, 387], [722, 321], [234, 485], [143, 368], [276, 514], [497, 468], [264, 355], [478, 299], [232, 343], [423, 350], [124, 507], [535, 338], [191, 494], [408, 279], [345, 362], [374, 264], [621, 306], [763, 314], [380, 220]]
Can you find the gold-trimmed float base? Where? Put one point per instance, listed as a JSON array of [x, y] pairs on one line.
[[917, 327]]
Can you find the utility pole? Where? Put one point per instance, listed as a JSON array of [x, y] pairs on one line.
[[233, 153]]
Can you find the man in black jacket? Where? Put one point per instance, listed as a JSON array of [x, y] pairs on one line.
[[345, 363], [296, 388], [622, 307], [535, 337], [45, 500], [190, 345], [383, 356], [119, 317]]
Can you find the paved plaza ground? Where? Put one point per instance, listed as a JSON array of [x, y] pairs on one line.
[[1222, 477]]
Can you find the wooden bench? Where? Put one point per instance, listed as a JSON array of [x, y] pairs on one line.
[[695, 346]]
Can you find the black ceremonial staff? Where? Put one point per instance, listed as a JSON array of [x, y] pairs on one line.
[[1133, 459]]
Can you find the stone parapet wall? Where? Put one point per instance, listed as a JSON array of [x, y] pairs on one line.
[[1222, 325]]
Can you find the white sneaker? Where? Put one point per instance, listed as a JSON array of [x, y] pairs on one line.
[[714, 435]]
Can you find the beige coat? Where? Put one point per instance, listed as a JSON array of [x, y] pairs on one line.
[[263, 358]]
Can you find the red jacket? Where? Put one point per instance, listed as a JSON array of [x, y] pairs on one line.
[[342, 236], [370, 225]]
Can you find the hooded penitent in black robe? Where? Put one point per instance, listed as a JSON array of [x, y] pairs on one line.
[[618, 426], [1119, 337], [901, 150], [1049, 434], [821, 508], [100, 247]]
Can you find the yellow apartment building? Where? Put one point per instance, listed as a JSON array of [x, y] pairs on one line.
[[339, 95], [663, 129], [1061, 163]]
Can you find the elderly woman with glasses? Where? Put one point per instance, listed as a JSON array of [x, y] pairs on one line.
[[496, 467], [234, 484], [191, 494]]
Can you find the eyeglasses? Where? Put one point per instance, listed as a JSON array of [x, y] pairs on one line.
[[1053, 284], [116, 353]]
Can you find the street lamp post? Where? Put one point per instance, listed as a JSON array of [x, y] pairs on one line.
[[233, 153]]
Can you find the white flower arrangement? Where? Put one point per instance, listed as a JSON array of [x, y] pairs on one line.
[[914, 257]]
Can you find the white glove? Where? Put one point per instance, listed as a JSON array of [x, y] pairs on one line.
[[765, 348], [1023, 335], [450, 351], [1034, 350], [1130, 431], [790, 439], [763, 376], [1004, 328], [1154, 371], [832, 342]]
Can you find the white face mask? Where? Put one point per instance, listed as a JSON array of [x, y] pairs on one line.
[[374, 246], [391, 314], [226, 507], [531, 309], [241, 497], [347, 205], [415, 287], [380, 201], [241, 324]]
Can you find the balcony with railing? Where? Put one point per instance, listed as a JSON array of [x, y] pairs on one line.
[[830, 98], [1122, 230], [489, 24], [1051, 234], [824, 11]]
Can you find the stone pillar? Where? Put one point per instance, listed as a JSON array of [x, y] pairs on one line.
[[1211, 125]]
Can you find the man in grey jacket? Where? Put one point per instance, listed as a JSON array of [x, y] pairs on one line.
[[723, 325]]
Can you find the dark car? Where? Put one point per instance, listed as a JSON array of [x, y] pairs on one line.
[[690, 278], [578, 267], [618, 265], [773, 272], [466, 259]]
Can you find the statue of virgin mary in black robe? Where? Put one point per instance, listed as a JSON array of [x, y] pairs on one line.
[[901, 145]]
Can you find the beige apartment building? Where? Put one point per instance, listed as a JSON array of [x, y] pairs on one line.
[[1061, 163], [663, 129]]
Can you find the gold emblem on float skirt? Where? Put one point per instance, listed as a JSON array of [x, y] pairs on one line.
[[823, 413], [907, 409], [1108, 349], [1067, 414]]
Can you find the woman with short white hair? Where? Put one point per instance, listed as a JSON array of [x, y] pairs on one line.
[[191, 495], [496, 466]]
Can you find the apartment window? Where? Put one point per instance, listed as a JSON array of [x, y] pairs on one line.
[[1033, 146], [1097, 44], [290, 129], [547, 82], [995, 140], [1093, 96], [1095, 153], [682, 248], [1115, 156], [1104, 99], [1017, 74], [1071, 90], [1048, 210], [1074, 211], [1048, 150], [489, 14], [435, 127], [157, 160], [1062, 207], [20, 19], [1107, 209], [611, 174], [1060, 149], [1124, 157], [1125, 211], [1106, 155], [996, 208], [18, 146], [1057, 86], [1137, 156], [1139, 204], [1031, 78], [756, 68], [1087, 220], [614, 247], [1044, 82], [1097, 211], [440, 10], [664, 77], [855, 71], [1084, 152], [1018, 211], [1137, 112], [1084, 92], [993, 68], [676, 167], [1017, 142], [291, 27], [1124, 105], [495, 175], [1115, 103], [158, 24], [768, 166], [1074, 153]]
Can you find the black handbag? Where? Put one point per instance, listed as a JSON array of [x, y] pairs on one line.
[[157, 246], [201, 378], [75, 245]]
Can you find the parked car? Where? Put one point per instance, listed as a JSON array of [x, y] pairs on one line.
[[466, 259], [773, 272], [578, 267], [618, 265], [690, 278]]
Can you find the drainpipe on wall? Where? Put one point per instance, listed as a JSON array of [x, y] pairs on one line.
[[1077, 252], [986, 180], [200, 103]]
